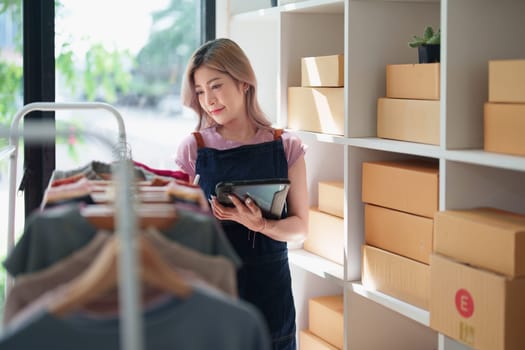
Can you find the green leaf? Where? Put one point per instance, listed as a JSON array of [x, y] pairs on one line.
[[416, 41], [436, 38], [429, 33]]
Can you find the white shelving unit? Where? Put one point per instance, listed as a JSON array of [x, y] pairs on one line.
[[372, 34]]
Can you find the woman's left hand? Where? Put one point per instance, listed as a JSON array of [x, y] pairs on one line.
[[246, 213]]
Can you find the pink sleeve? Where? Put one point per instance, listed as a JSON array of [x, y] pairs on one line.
[[293, 147], [187, 155]]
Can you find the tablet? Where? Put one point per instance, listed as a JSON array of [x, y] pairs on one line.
[[268, 194]]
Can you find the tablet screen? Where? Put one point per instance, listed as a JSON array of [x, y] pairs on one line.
[[269, 195]]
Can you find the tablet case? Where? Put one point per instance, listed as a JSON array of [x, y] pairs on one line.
[[268, 194]]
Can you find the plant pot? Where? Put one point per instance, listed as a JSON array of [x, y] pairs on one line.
[[429, 53]]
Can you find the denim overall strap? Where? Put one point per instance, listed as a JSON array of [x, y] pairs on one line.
[[264, 278]]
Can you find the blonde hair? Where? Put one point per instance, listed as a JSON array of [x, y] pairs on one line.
[[223, 55]]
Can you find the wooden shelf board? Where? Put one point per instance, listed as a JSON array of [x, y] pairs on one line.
[[481, 157], [417, 314], [317, 265]]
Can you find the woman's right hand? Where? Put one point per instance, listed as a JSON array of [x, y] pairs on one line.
[[246, 213]]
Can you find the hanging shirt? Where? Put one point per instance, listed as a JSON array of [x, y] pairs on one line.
[[203, 320], [217, 271], [31, 286], [54, 234]]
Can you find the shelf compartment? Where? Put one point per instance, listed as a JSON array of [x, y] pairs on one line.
[[366, 60], [464, 74], [472, 185]]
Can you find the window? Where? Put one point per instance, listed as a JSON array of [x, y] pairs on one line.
[[10, 61], [133, 60]]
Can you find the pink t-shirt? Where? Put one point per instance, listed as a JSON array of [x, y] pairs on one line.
[[187, 151]]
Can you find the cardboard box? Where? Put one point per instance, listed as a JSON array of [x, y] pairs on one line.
[[398, 232], [325, 236], [488, 238], [325, 319], [397, 276], [504, 128], [316, 109], [323, 71], [481, 309], [413, 81], [332, 197], [507, 81], [408, 120], [409, 186], [309, 341]]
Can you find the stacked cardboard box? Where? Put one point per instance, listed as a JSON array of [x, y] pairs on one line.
[[326, 223], [400, 199], [504, 113], [318, 104], [478, 278], [410, 110], [325, 324]]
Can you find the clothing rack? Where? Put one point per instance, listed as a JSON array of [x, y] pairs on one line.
[[125, 219], [6, 151]]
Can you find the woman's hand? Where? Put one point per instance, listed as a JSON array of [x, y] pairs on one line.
[[246, 213]]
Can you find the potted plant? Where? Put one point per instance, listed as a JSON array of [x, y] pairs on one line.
[[428, 46]]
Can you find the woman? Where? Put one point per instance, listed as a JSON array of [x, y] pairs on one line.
[[235, 141]]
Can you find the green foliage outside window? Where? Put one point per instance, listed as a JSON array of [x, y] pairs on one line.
[[10, 89]]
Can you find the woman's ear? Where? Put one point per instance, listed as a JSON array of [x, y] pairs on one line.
[[245, 87]]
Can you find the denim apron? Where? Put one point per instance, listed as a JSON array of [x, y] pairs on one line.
[[264, 277]]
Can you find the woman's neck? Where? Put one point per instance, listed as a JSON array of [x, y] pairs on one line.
[[237, 133]]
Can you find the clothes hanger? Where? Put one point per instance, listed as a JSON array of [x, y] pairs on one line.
[[185, 191], [76, 187], [146, 193], [158, 215], [172, 191], [102, 277], [79, 190]]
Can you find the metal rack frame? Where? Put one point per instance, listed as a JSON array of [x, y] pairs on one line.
[[125, 219]]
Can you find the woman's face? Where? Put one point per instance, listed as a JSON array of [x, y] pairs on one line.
[[220, 95]]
